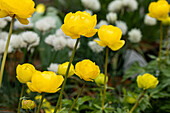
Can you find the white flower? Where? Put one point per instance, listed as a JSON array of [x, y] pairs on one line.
[[3, 35], [45, 24], [59, 43], [102, 22], [59, 32], [131, 4], [8, 18], [135, 35], [115, 6], [31, 38], [53, 67], [18, 25], [3, 23], [71, 43], [92, 4], [89, 11], [122, 25], [17, 41], [3, 45], [149, 20], [111, 17], [94, 46], [49, 39]]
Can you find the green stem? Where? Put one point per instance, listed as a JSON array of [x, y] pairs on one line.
[[136, 104], [19, 104], [40, 104], [167, 49], [160, 45], [6, 49], [66, 76], [77, 98], [106, 61]]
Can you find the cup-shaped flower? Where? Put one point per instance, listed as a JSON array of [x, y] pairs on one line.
[[62, 68], [147, 81], [110, 36], [46, 81], [28, 104], [79, 23], [22, 9], [87, 70], [25, 72], [166, 21], [100, 79], [159, 9]]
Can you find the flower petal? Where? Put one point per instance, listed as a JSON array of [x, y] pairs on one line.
[[100, 43], [91, 33], [3, 14], [23, 20], [117, 45]]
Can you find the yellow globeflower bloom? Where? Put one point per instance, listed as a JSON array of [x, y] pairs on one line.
[[110, 36], [28, 104], [40, 8], [87, 70], [159, 9], [79, 23], [62, 68], [25, 72], [147, 81], [46, 81], [100, 79], [22, 9]]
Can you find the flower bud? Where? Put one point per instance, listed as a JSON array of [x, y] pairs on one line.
[[130, 100], [24, 72], [28, 104], [100, 79], [40, 8], [62, 68]]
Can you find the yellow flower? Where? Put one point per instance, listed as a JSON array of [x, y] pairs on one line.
[[28, 104], [62, 68], [87, 70], [159, 9], [22, 9], [100, 79], [79, 23], [40, 8], [110, 36], [24, 72], [166, 21], [46, 81], [147, 81], [38, 98]]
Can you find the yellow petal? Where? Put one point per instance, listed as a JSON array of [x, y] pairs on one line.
[[32, 88], [3, 14], [23, 20], [100, 43], [91, 33], [117, 45]]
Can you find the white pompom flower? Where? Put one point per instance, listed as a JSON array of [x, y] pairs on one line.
[[71, 43], [3, 23], [59, 43], [135, 35], [115, 6], [45, 24], [149, 20], [122, 25], [91, 4], [53, 67], [17, 42], [111, 17], [132, 5], [31, 38], [95, 47]]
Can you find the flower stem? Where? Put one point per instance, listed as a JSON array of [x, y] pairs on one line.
[[6, 49], [167, 48], [160, 45], [136, 104], [77, 98], [104, 93], [19, 104], [66, 76], [40, 104]]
